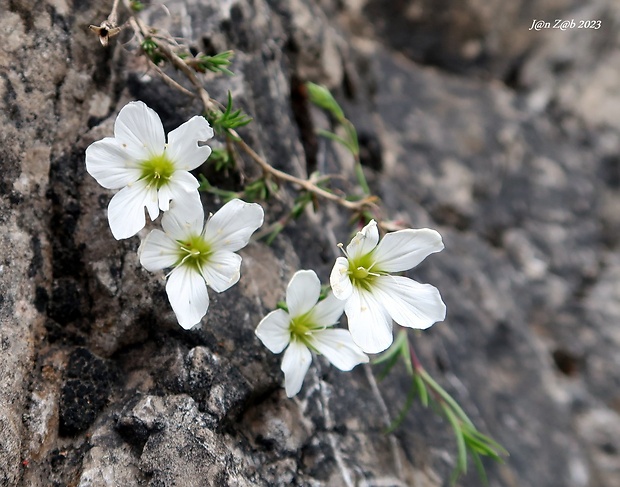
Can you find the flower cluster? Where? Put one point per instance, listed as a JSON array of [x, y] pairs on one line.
[[365, 289], [367, 283], [155, 175]]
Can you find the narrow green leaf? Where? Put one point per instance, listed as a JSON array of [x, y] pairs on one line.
[[385, 356], [352, 134], [405, 353], [422, 391], [478, 445], [207, 187], [217, 64], [336, 138], [446, 397], [497, 449], [390, 362], [276, 231], [394, 350], [361, 179], [460, 440], [479, 468]]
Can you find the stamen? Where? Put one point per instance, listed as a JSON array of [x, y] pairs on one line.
[[184, 259], [341, 247]]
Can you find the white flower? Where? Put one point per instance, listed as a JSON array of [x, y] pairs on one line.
[[199, 253], [150, 171], [374, 297], [306, 328]]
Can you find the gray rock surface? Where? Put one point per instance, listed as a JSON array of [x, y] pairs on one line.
[[505, 140]]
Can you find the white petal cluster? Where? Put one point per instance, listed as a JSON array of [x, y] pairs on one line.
[[148, 171], [306, 328], [199, 254], [373, 297]]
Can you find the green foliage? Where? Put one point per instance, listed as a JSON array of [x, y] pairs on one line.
[[260, 190], [149, 46], [469, 441], [224, 121], [207, 187], [221, 160], [137, 5], [276, 228], [302, 200], [325, 290], [321, 97], [216, 64], [203, 63]]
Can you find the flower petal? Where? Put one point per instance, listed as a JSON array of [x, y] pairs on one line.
[[339, 348], [182, 185], [295, 365], [140, 129], [404, 249], [183, 149], [183, 181], [339, 279], [222, 270], [233, 225], [302, 292], [126, 209], [185, 217], [163, 197], [273, 330], [410, 303], [158, 251], [110, 164], [187, 293], [369, 322], [364, 241], [327, 312]]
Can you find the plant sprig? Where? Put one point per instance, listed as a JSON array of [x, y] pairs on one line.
[[142, 31], [322, 98], [469, 441], [216, 64], [225, 121]]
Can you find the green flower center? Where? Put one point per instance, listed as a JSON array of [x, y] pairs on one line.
[[301, 327], [157, 170], [194, 252], [361, 272]]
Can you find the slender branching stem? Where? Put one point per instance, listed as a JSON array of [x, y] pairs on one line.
[[113, 17], [142, 31]]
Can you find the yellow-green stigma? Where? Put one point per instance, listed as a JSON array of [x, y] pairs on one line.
[[360, 272], [194, 252], [300, 328], [157, 170]]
